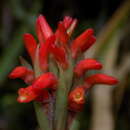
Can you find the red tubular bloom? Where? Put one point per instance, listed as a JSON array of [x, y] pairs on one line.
[[22, 73], [77, 99], [59, 54], [43, 28], [61, 33], [87, 64], [80, 41], [47, 80], [44, 52], [88, 44], [18, 72], [100, 79], [39, 32], [26, 94], [30, 44]]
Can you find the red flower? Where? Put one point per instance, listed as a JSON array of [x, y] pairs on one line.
[[88, 44], [23, 73], [77, 99], [100, 79], [87, 64], [81, 41], [43, 29], [30, 45], [29, 94]]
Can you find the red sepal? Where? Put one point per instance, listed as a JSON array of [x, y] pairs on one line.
[[80, 41], [30, 44], [44, 52], [61, 34], [100, 79], [47, 80], [77, 99], [85, 65], [23, 73], [43, 29]]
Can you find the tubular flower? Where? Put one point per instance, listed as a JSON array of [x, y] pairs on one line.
[[81, 41], [30, 45], [85, 65], [43, 29], [58, 46], [77, 99], [100, 79], [23, 73]]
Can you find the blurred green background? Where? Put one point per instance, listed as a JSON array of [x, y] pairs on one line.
[[113, 40]]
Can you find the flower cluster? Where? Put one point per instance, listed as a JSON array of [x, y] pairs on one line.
[[59, 48]]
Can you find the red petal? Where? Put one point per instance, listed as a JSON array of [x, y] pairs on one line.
[[30, 45], [26, 94], [101, 79], [79, 42], [77, 99], [47, 80], [45, 29], [85, 65], [44, 52], [59, 54], [88, 44], [61, 33]]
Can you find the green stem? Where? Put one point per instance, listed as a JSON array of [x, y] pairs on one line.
[[41, 116], [65, 82], [76, 123]]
